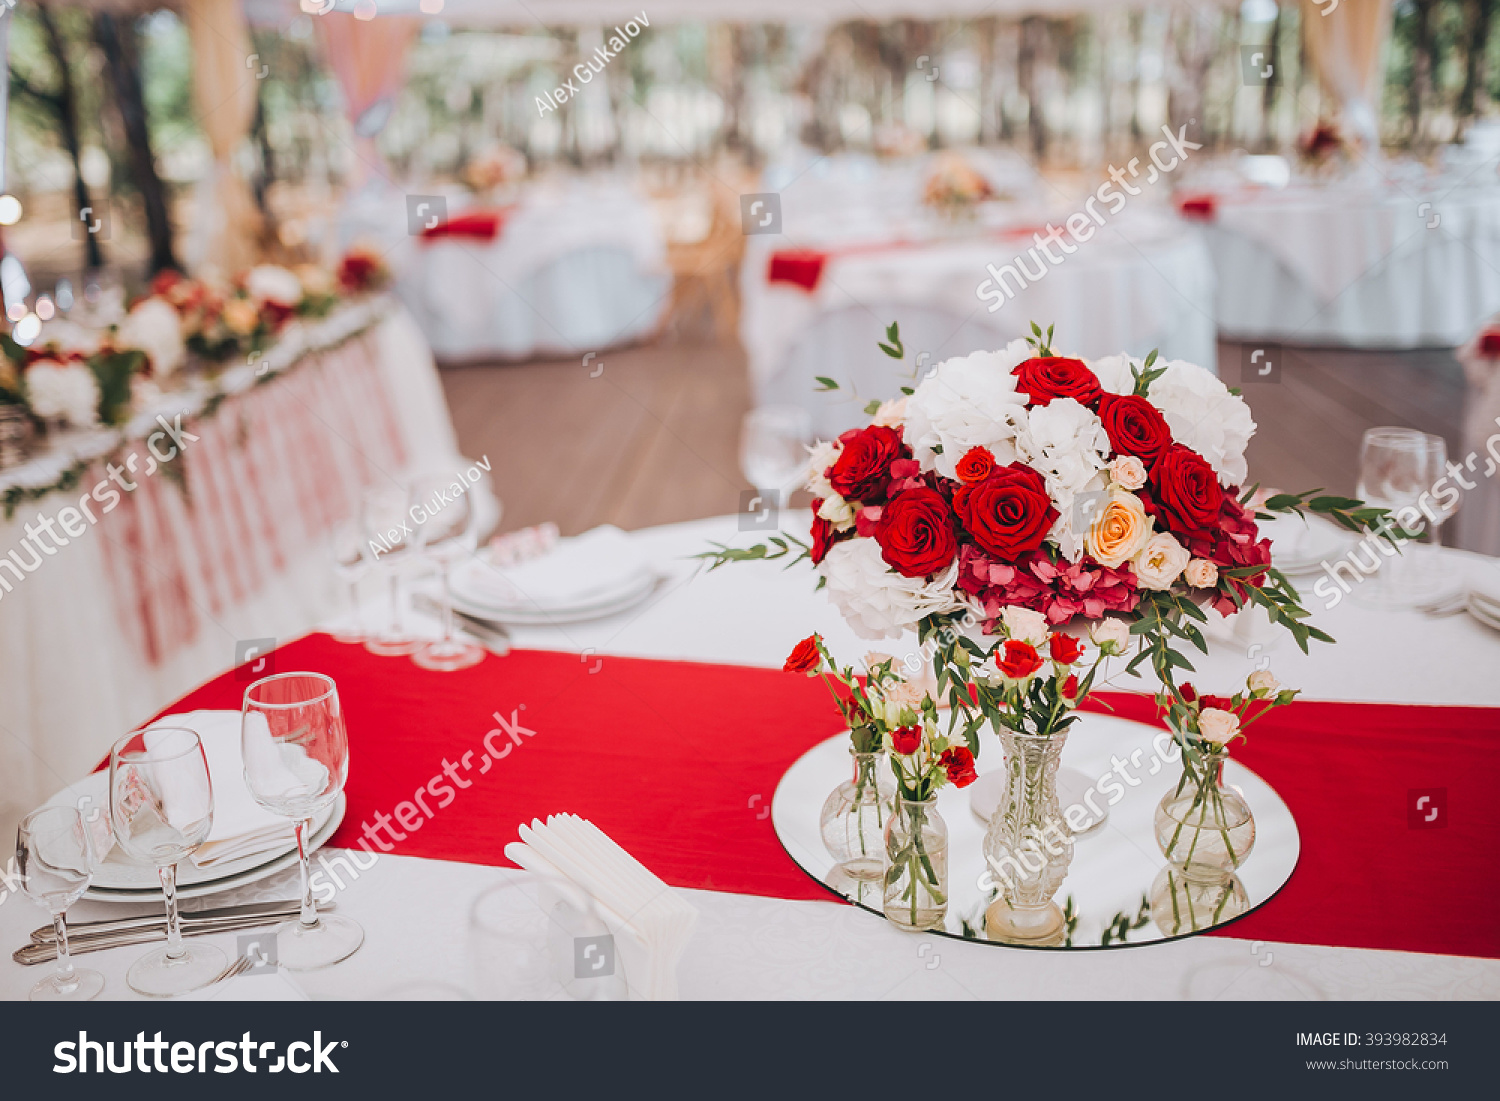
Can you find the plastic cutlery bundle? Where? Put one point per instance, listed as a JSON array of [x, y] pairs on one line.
[[630, 899]]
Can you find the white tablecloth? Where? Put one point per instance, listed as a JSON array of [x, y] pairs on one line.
[[415, 911], [1363, 265], [577, 267], [1140, 283], [152, 600]]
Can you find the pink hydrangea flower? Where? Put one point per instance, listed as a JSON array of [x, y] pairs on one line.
[[1059, 590]]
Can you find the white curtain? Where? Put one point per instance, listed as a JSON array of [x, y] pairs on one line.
[[1345, 42]]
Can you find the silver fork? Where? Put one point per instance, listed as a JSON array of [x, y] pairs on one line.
[[236, 967]]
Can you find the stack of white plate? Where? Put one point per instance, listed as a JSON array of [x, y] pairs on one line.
[[1299, 548], [1484, 599], [590, 576], [246, 842]]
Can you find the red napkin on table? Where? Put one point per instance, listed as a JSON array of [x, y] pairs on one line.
[[802, 267], [480, 225], [1489, 343], [1203, 208]]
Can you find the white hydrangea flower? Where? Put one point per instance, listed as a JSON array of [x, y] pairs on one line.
[[155, 328], [965, 402], [1114, 373], [273, 283], [875, 600], [63, 391], [1205, 416]]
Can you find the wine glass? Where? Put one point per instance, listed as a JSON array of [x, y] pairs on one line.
[[773, 450], [390, 533], [540, 938], [446, 535], [55, 859], [296, 755], [161, 805], [1398, 468], [349, 550]]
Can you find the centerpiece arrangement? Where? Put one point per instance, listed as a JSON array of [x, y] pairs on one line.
[[1017, 502]]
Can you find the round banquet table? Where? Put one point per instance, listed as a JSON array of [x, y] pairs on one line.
[[415, 910], [1143, 281], [1356, 264]]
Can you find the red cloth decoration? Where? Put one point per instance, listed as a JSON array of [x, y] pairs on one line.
[[1201, 208], [481, 225], [678, 761], [1489, 343], [802, 267]]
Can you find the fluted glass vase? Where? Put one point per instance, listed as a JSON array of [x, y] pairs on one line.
[[916, 875], [1204, 829], [1028, 846], [854, 816]]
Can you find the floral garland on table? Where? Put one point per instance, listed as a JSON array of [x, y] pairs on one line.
[[1106, 494], [82, 379], [954, 185]]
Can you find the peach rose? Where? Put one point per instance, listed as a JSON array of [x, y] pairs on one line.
[[1119, 531], [1127, 472], [1217, 726], [241, 316], [1160, 562], [1201, 574]]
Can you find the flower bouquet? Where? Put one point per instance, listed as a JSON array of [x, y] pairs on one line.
[[954, 187]]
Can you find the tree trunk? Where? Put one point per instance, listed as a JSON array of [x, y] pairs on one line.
[[121, 58], [66, 104], [1476, 71], [1422, 66]]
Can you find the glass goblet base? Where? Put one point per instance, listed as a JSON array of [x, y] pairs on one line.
[[83, 986], [158, 975], [447, 655], [308, 947], [392, 646]]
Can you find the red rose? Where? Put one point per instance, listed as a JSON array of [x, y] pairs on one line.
[[975, 466], [1223, 703], [1186, 495], [863, 468], [804, 657], [1135, 426], [1048, 377], [905, 740], [1187, 692], [958, 762], [1009, 513], [823, 534], [1065, 649], [1070, 687], [915, 533], [1018, 659]]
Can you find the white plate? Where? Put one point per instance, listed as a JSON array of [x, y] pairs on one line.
[[614, 604], [119, 878], [1483, 615]]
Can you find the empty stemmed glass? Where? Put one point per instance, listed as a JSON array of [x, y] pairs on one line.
[[55, 860], [351, 560], [1398, 470], [391, 534], [773, 452], [447, 535], [296, 753], [161, 805]]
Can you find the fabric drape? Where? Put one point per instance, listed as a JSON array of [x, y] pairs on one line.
[[1345, 47]]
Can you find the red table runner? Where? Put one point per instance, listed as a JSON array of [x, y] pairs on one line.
[[804, 267], [677, 761]]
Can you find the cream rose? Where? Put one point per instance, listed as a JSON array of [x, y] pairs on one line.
[[1127, 472], [273, 283], [1112, 636], [900, 697], [1201, 574], [1119, 531], [1025, 625], [820, 457], [1262, 680], [1160, 562], [837, 511], [1218, 726]]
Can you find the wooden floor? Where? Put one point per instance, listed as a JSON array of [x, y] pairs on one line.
[[653, 438]]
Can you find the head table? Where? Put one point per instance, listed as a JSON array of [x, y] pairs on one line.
[[669, 726]]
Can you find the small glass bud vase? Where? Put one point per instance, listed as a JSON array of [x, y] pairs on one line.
[[1180, 905], [1204, 829], [1028, 847], [916, 875], [854, 816]]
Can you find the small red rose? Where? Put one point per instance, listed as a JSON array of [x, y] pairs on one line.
[[804, 657], [1018, 659], [975, 466], [1070, 687], [1064, 649], [863, 469], [958, 762], [906, 740], [1048, 377], [1220, 702], [1187, 693]]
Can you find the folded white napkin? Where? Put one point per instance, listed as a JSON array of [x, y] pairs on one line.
[[652, 923], [576, 572], [241, 826]]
